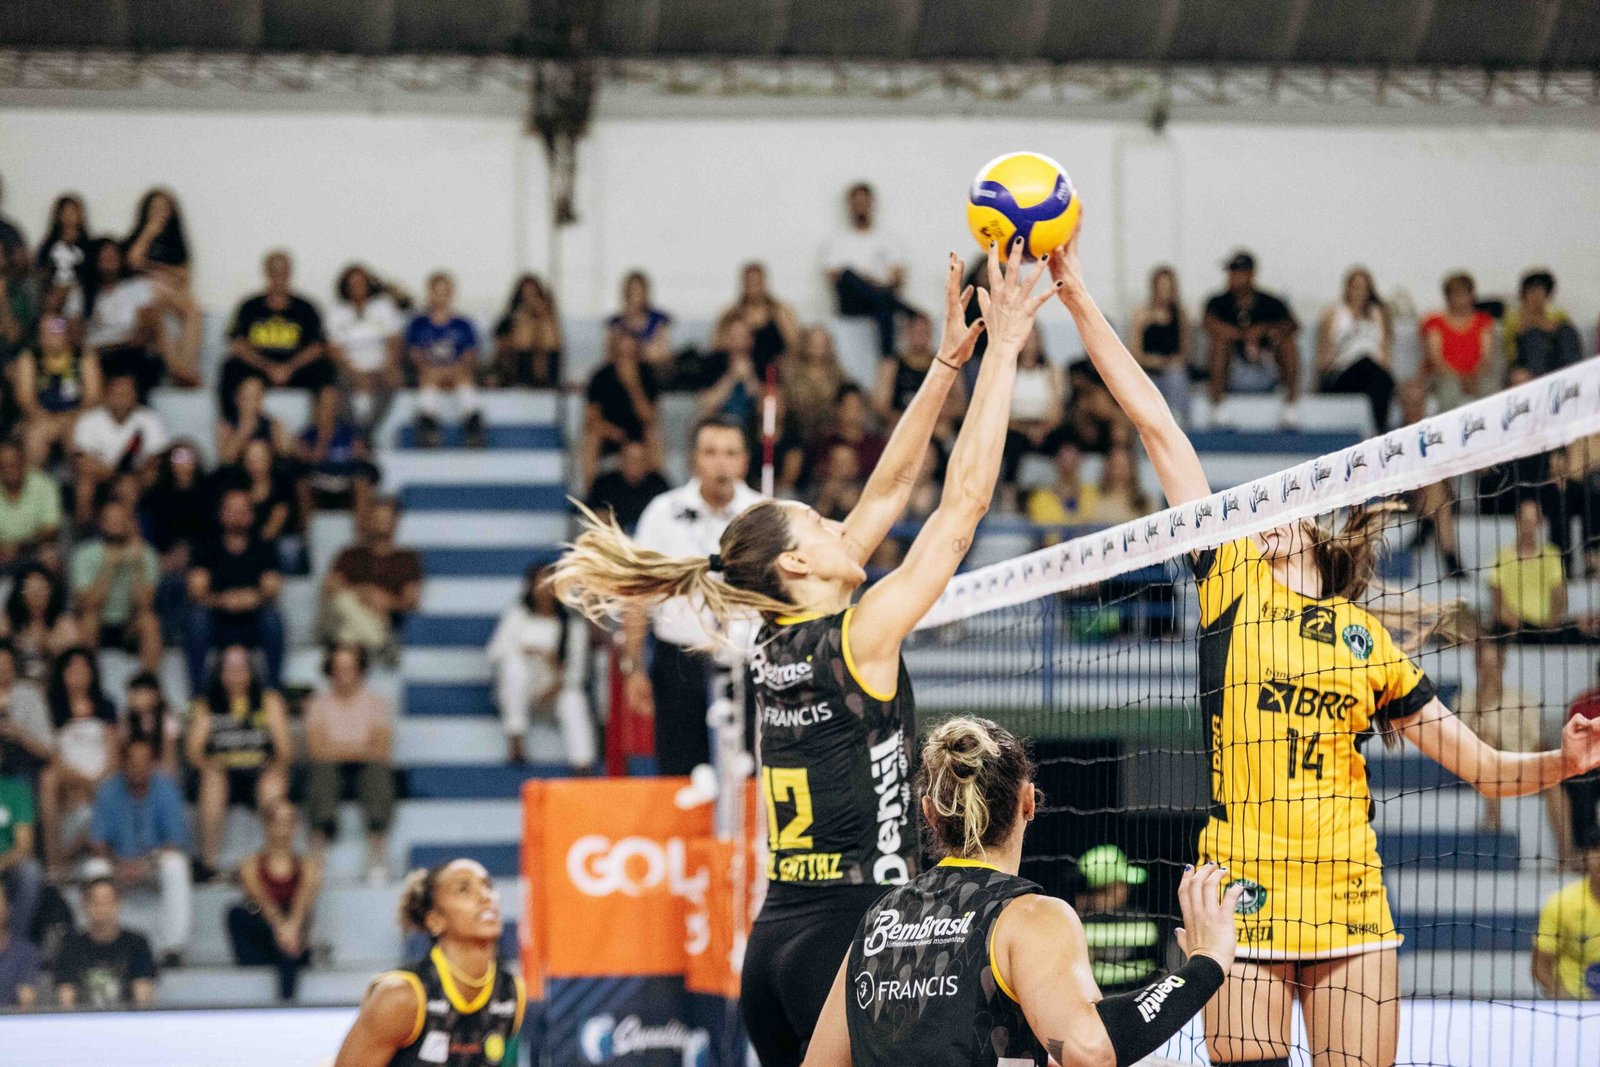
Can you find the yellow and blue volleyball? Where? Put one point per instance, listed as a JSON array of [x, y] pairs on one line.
[[1026, 194]]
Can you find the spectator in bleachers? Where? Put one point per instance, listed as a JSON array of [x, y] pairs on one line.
[[146, 716], [238, 740], [1067, 501], [1254, 343], [1159, 333], [1583, 793], [1540, 337], [1435, 504], [271, 926], [105, 965], [86, 754], [1458, 346], [27, 736], [139, 826], [55, 382], [1355, 346], [647, 326], [372, 585], [120, 435], [20, 962], [114, 583], [63, 255], [900, 375], [527, 339], [178, 513], [1037, 403], [1093, 421], [349, 749], [234, 581], [273, 499], [841, 481], [1527, 587], [736, 392], [37, 621], [276, 335], [249, 421], [30, 509], [21, 302], [123, 324], [774, 327], [533, 642], [620, 406], [866, 267], [851, 426], [1576, 471], [157, 249], [811, 379], [11, 237], [443, 348], [364, 329], [1566, 949], [624, 492], [340, 474], [20, 874], [1119, 496]]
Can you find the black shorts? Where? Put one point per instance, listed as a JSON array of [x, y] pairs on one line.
[[796, 946]]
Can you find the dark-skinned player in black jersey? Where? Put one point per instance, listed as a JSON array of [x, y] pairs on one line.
[[969, 965], [456, 1007], [834, 704]]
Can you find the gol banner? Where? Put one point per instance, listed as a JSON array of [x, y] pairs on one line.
[[608, 877]]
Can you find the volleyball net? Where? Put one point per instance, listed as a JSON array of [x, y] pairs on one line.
[[1096, 649]]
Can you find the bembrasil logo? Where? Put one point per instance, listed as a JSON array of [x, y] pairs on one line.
[[888, 931], [606, 1039]]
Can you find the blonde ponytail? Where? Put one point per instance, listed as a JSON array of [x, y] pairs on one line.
[[972, 774], [605, 570]]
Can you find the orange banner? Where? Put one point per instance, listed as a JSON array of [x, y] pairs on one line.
[[607, 870]]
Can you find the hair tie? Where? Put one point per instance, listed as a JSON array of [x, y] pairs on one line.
[[714, 563]]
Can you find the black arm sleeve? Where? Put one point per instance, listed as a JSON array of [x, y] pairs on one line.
[[1142, 1021]]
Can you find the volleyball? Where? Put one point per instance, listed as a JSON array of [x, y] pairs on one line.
[[1023, 193]]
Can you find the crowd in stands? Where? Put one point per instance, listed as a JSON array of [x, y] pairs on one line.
[[118, 537]]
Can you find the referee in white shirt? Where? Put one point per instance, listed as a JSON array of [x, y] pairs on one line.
[[687, 521]]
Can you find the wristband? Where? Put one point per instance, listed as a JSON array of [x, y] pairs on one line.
[[1140, 1022]]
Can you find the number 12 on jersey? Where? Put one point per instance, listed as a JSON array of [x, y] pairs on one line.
[[787, 785]]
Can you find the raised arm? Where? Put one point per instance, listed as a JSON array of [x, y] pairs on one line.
[[1448, 741], [1175, 460], [892, 608], [889, 488]]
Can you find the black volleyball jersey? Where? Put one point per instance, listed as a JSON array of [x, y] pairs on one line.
[[921, 982], [835, 760], [452, 1031]]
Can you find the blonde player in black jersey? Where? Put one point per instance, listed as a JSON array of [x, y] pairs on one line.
[[1294, 675], [457, 1007], [834, 709], [969, 965]]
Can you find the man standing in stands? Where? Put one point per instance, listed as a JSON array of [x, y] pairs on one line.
[[866, 268], [1254, 343], [688, 521]]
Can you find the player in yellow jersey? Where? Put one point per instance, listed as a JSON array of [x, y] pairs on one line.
[[1294, 674]]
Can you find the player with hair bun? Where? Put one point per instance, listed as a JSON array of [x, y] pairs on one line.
[[456, 1007], [970, 965]]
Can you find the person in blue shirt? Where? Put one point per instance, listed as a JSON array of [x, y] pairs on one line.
[[139, 826], [444, 348]]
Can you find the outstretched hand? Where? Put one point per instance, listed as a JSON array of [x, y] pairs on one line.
[[1580, 745], [1208, 928], [1066, 267], [955, 347], [1009, 304]]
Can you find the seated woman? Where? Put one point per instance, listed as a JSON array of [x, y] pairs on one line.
[[54, 383], [341, 475], [1036, 409], [123, 324], [364, 328], [86, 755], [250, 422], [158, 250], [1355, 345], [647, 325], [773, 325], [271, 926], [146, 716], [278, 520], [63, 254], [177, 514], [238, 740], [527, 339], [532, 644], [37, 621]]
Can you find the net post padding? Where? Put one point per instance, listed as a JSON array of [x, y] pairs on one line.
[[1535, 417]]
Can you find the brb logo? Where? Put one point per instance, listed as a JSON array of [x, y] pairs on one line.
[[606, 1039], [633, 866]]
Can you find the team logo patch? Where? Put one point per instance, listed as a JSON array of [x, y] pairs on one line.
[[1252, 900], [1316, 624], [1358, 639], [494, 1048], [863, 990]]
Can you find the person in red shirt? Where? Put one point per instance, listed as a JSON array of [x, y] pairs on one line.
[[1583, 793], [1459, 343]]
